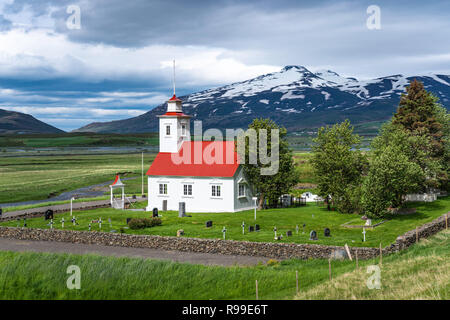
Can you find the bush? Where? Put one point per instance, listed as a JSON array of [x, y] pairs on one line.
[[272, 262], [142, 223]]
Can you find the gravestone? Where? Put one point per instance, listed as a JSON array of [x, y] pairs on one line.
[[286, 200], [128, 220], [180, 233], [327, 232], [155, 212], [251, 228], [313, 235], [164, 206], [209, 224], [182, 209], [289, 233], [48, 214], [338, 254], [134, 197], [257, 228]]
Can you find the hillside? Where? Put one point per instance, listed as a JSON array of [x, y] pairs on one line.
[[294, 97], [421, 272], [12, 122]]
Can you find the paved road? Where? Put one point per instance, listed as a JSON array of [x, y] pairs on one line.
[[177, 256]]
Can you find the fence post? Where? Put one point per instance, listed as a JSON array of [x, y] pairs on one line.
[[329, 267], [417, 235], [257, 290], [446, 222], [381, 255], [296, 280]]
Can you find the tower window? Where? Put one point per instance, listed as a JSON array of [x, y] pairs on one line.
[[167, 130], [183, 129]]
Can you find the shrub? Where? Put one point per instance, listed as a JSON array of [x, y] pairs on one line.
[[272, 262], [142, 223]]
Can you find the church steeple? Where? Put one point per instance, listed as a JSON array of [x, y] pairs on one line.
[[174, 125], [174, 104]]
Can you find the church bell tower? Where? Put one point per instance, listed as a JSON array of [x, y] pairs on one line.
[[174, 125]]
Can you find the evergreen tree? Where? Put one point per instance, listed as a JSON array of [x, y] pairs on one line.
[[420, 115]]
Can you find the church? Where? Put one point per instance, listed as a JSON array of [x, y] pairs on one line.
[[205, 175]]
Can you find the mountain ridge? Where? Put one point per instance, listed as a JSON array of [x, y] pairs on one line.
[[294, 97], [12, 122]]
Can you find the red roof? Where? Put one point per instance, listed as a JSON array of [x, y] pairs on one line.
[[183, 163], [174, 98], [173, 113], [115, 181]]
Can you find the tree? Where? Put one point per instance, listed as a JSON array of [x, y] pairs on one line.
[[338, 164], [272, 185], [391, 176], [420, 115]]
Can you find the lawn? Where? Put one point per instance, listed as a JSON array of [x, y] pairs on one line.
[[423, 273], [35, 178], [314, 217]]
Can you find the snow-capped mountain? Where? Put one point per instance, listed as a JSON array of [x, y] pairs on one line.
[[294, 97]]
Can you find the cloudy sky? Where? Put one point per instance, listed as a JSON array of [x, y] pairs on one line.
[[118, 63]]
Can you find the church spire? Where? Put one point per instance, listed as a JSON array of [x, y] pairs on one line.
[[174, 78], [174, 104]]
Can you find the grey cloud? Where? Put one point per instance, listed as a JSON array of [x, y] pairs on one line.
[[5, 24]]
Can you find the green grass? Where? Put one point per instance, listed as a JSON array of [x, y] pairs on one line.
[[284, 219], [78, 140], [43, 276], [421, 272], [35, 178]]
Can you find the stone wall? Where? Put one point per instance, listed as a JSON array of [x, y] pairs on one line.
[[230, 247]]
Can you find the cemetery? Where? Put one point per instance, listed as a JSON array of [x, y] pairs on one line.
[[310, 224]]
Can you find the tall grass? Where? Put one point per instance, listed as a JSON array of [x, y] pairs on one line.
[[422, 272], [43, 276]]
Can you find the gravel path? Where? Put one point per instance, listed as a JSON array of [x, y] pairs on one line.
[[59, 208], [177, 256]]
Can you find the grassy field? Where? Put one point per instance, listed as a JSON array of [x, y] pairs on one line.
[[40, 177], [34, 178], [419, 272], [78, 140], [422, 272], [315, 217]]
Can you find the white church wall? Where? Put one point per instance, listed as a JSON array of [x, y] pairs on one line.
[[172, 143], [168, 142], [201, 199]]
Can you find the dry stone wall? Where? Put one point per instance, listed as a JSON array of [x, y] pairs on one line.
[[227, 247]]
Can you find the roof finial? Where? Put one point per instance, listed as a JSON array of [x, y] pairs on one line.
[[174, 77]]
